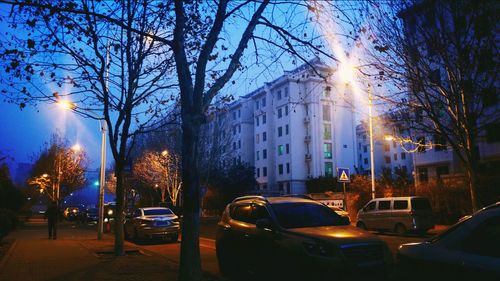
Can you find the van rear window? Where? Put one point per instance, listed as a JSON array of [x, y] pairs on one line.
[[420, 204]]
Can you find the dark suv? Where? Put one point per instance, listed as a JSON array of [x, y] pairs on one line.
[[291, 238]]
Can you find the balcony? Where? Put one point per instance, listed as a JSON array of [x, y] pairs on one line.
[[307, 139], [308, 157], [307, 120]]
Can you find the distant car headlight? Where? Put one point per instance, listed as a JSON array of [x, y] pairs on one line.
[[106, 219], [317, 249], [110, 212]]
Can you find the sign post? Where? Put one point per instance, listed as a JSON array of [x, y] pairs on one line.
[[343, 176]]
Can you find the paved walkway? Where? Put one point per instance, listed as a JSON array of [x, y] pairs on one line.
[[76, 256]]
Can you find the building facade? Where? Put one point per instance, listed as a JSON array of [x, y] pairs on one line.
[[296, 127]]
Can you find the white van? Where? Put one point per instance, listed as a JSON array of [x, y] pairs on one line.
[[397, 214]]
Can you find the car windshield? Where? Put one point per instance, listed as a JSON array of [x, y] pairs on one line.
[[445, 233], [158, 212], [92, 211], [303, 214]]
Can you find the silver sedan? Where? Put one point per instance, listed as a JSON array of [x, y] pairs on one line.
[[152, 222]]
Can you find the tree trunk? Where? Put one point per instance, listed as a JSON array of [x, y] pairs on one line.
[[472, 178], [119, 214], [190, 262]]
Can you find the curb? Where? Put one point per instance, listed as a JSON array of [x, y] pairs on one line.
[[7, 255]]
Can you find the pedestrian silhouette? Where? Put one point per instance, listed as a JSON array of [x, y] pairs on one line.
[[52, 213]]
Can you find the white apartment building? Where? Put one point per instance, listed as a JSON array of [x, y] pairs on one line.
[[388, 154], [296, 127]]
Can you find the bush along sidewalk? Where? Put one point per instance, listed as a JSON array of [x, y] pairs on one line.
[[8, 222]]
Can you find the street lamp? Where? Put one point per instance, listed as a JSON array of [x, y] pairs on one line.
[[347, 74], [102, 124]]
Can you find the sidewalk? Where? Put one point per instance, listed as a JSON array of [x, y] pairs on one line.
[[77, 255]]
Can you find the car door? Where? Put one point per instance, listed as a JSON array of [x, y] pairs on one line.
[[369, 214], [241, 221], [261, 241], [480, 256], [382, 217]]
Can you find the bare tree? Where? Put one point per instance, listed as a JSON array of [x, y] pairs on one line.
[[59, 169], [207, 41], [104, 57], [160, 170], [439, 61]]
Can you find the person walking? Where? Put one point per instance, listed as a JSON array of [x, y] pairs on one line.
[[52, 214]]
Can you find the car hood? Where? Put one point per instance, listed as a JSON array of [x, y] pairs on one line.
[[340, 234]]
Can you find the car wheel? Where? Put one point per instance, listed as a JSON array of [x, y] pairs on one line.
[[361, 225], [400, 229]]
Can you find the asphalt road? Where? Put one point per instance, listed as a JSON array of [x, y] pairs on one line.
[[207, 245]]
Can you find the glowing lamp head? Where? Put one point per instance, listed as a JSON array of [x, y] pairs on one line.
[[389, 137], [66, 104]]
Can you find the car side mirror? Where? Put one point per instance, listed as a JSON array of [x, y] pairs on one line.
[[264, 223]]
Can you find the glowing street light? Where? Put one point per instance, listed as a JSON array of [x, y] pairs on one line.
[[77, 147]]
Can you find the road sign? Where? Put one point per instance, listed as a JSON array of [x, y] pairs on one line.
[[343, 175]]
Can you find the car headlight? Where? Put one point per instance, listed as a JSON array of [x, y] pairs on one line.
[[317, 249]]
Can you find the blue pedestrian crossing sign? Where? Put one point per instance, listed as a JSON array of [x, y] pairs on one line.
[[343, 175]]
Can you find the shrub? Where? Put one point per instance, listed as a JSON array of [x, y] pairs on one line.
[[5, 224]]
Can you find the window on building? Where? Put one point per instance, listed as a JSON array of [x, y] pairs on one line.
[[264, 171], [365, 161], [286, 92], [327, 150], [395, 157], [239, 113], [404, 170], [403, 156], [329, 169], [264, 118], [258, 155], [286, 129], [264, 154], [234, 115], [263, 102], [423, 175], [280, 169], [387, 147], [286, 110], [288, 168], [442, 170], [264, 136], [281, 149], [257, 138], [280, 131], [364, 137], [492, 132], [327, 131], [257, 121], [394, 144], [326, 112], [239, 128], [258, 172], [387, 160], [239, 143], [234, 145], [287, 148], [257, 104], [280, 112], [279, 95], [280, 186], [365, 148]]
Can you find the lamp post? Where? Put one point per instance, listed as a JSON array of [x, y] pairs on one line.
[[347, 74], [100, 200]]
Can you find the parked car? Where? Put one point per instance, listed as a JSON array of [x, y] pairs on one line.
[[90, 215], [72, 213], [398, 214], [292, 238], [468, 250], [152, 222]]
